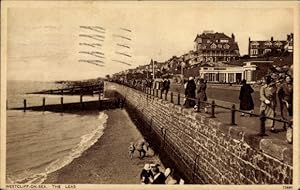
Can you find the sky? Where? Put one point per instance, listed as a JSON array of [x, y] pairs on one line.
[[43, 43]]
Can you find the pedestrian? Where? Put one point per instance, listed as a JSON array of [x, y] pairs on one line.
[[146, 175], [268, 101], [285, 96], [159, 177], [190, 93], [142, 146], [201, 94], [166, 86], [246, 101]]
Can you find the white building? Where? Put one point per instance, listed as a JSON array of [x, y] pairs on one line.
[[224, 73]]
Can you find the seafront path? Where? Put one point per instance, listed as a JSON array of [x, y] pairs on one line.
[[226, 96]]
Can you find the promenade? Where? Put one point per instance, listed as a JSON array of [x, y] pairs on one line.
[[226, 96]]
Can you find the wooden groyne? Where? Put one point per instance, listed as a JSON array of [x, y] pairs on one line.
[[77, 106], [76, 90], [113, 101]]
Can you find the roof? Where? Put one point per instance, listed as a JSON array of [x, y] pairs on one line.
[[214, 39], [212, 36], [219, 64]]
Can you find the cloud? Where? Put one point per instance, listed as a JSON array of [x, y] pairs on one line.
[[47, 39]]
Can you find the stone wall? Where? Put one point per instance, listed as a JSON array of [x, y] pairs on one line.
[[205, 150]]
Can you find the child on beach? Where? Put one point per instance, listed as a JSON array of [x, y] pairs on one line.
[[141, 146], [131, 150], [146, 175]]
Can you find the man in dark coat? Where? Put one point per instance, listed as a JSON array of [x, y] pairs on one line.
[[159, 177], [246, 101], [190, 92], [166, 85]]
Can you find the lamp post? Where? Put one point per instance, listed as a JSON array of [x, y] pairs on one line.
[[182, 66], [153, 69], [147, 71]]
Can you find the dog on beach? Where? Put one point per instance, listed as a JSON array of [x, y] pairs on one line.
[[141, 146]]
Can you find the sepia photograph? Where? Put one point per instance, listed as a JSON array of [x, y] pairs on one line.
[[151, 94]]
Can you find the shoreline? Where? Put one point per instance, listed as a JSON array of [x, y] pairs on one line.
[[107, 161]]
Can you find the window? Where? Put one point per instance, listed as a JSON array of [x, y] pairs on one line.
[[208, 41], [254, 51], [213, 46], [267, 50], [224, 40], [254, 45], [268, 44], [230, 77], [222, 77], [226, 46], [220, 46], [211, 77], [278, 44]]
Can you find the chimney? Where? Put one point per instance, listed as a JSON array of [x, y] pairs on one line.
[[232, 36], [288, 37], [272, 39], [249, 39]]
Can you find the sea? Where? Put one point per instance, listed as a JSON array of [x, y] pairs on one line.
[[39, 143]]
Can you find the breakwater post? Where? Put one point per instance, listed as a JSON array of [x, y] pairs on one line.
[[24, 105], [44, 103], [81, 102], [62, 103]]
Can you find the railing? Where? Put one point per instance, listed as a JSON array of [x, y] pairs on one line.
[[176, 98]]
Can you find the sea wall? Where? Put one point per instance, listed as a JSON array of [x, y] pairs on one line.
[[204, 149]]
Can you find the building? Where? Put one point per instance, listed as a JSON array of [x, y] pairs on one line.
[[225, 73], [261, 48], [289, 46], [215, 47]]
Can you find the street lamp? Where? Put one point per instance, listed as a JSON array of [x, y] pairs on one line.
[[182, 66], [147, 71]]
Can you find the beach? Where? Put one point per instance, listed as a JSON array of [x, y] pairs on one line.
[[107, 161]]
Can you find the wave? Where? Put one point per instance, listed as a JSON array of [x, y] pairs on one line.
[[86, 141]]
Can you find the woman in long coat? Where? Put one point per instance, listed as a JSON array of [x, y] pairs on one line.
[[268, 101], [246, 101], [201, 93]]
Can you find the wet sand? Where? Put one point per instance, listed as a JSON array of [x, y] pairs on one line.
[[107, 161]]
